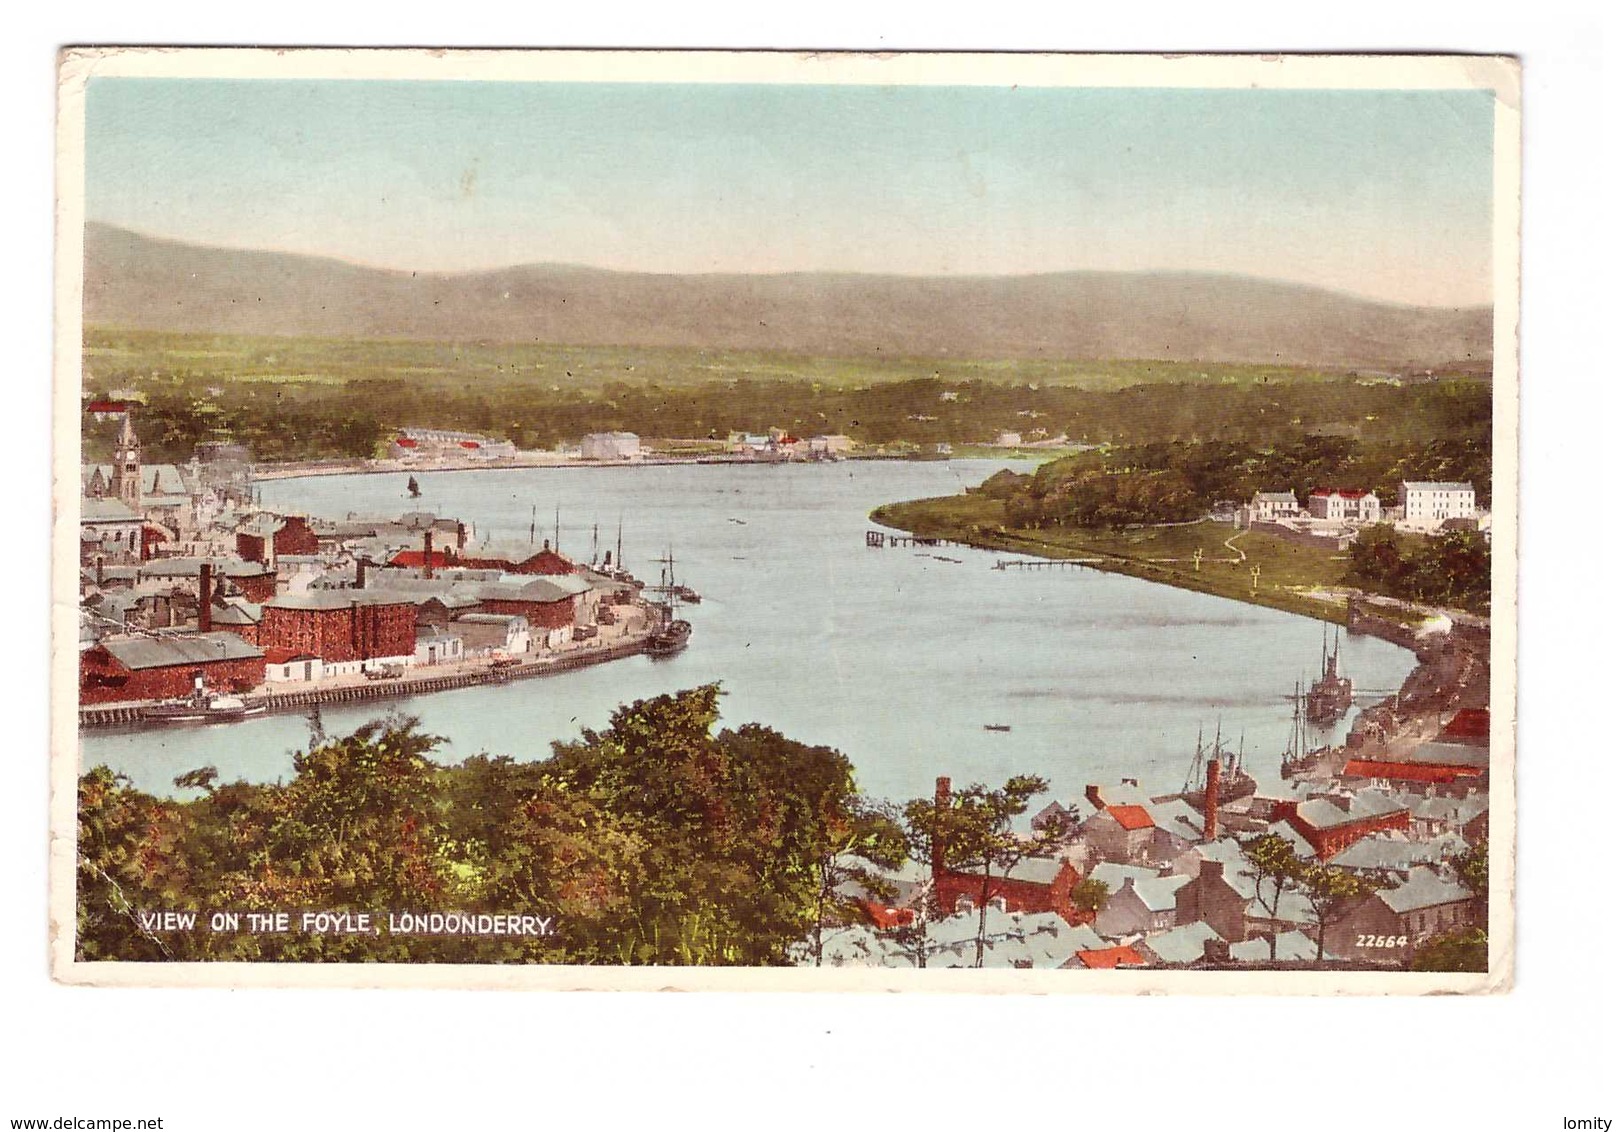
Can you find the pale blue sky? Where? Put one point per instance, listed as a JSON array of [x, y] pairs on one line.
[[1386, 194]]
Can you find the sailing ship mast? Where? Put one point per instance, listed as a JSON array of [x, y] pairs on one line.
[[1330, 697]]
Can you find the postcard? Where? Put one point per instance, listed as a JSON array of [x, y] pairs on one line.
[[729, 520]]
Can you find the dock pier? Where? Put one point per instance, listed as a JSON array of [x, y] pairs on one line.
[[885, 538], [1044, 563], [124, 715]]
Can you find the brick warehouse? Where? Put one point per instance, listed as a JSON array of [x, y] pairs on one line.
[[148, 668], [1330, 825], [268, 537], [341, 627], [549, 603], [1034, 884]]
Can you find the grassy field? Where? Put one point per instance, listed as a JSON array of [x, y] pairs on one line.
[[1158, 554], [112, 355], [305, 399]]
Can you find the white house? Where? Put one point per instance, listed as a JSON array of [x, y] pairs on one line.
[[831, 445], [610, 446], [1430, 503], [494, 632], [291, 666], [109, 528], [1344, 504], [1266, 506], [437, 646]]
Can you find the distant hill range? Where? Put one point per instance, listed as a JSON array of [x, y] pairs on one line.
[[139, 282]]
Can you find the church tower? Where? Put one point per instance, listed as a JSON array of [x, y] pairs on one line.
[[127, 464]]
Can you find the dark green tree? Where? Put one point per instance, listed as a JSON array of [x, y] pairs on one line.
[[1464, 949], [1330, 892], [1275, 868], [862, 840], [973, 831], [1089, 895]]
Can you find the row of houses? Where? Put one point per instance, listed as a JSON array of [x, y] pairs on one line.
[[428, 444], [1159, 881], [1421, 505], [779, 444]]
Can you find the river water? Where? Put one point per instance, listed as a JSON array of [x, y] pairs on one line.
[[894, 656]]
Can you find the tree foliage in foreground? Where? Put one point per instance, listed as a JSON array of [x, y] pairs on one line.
[[1461, 950], [658, 840]]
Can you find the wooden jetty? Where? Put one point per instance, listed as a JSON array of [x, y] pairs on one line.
[[1044, 563], [124, 715], [885, 538]]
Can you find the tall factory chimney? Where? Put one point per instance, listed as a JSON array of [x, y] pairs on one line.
[[205, 597], [428, 554], [360, 573], [1213, 797]]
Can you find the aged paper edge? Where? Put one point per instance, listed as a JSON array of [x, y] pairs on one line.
[[1499, 74]]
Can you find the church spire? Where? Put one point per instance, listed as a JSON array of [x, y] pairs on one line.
[[127, 463]]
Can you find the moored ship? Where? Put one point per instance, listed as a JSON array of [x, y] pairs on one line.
[[1233, 783], [1330, 697], [671, 637], [1298, 755], [672, 634], [202, 706]]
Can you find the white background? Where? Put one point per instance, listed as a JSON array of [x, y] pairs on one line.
[[279, 1059]]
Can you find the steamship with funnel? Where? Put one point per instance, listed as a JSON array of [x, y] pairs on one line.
[[1330, 697], [1228, 768]]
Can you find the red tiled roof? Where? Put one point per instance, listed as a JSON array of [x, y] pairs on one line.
[[1345, 492], [414, 558], [405, 442], [469, 443], [108, 407], [1470, 723], [1109, 958], [1131, 817], [1410, 772], [540, 562], [276, 654]]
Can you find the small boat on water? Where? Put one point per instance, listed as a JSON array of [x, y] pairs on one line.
[[202, 707], [997, 727], [687, 594]]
